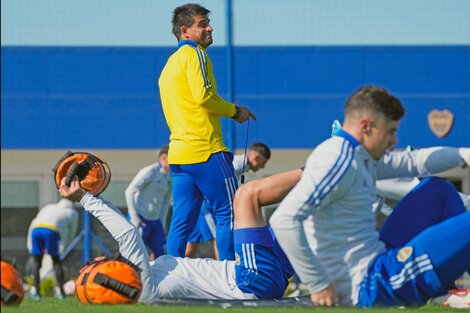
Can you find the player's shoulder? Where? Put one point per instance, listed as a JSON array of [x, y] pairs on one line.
[[187, 52], [333, 149], [152, 168]]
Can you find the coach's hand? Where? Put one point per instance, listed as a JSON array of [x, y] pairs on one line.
[[244, 114], [74, 192], [326, 297]]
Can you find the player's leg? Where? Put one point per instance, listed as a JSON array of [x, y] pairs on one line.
[[448, 247], [191, 248], [251, 196], [187, 200], [51, 242], [37, 253], [425, 267], [259, 269], [156, 238], [203, 231], [35, 268], [216, 179], [429, 203], [59, 276]]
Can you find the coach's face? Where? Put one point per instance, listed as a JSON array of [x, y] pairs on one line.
[[200, 31], [379, 136]]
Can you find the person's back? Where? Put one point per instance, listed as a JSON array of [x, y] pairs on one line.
[[148, 199], [150, 192], [52, 228], [196, 278], [58, 215]]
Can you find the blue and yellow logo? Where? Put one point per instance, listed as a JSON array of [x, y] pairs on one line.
[[404, 254], [237, 259]]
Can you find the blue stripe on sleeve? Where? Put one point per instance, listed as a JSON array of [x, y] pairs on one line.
[[335, 174], [203, 66]]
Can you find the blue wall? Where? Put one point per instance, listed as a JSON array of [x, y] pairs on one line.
[[107, 98]]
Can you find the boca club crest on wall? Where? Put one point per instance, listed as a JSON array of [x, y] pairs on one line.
[[440, 122]]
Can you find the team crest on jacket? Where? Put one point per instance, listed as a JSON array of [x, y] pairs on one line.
[[237, 259], [404, 254]]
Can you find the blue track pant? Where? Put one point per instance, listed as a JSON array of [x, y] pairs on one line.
[[215, 180]]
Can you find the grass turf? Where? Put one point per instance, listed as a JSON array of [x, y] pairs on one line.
[[71, 304]]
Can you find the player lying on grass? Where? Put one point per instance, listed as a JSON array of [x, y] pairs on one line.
[[260, 270], [423, 246]]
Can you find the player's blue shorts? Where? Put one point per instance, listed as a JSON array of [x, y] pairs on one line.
[[428, 236], [258, 269], [202, 232], [153, 235], [44, 241]]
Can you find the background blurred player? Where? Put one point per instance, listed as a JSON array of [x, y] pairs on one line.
[[148, 198], [53, 227]]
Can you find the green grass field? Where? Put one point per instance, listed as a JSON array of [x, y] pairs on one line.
[[71, 304]]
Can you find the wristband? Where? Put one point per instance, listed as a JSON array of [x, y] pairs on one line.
[[237, 113]]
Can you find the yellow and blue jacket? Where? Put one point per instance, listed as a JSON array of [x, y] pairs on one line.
[[191, 105]]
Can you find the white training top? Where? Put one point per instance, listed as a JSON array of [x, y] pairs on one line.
[[239, 160], [167, 276], [61, 217], [337, 189], [149, 194]]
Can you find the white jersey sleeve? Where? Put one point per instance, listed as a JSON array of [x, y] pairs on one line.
[[143, 177], [131, 245], [422, 162], [240, 163], [323, 181], [396, 188]]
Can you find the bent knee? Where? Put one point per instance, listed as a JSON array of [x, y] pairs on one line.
[[437, 183], [248, 191]]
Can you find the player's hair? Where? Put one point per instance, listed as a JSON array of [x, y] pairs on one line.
[[375, 99], [184, 16], [262, 149], [164, 150]]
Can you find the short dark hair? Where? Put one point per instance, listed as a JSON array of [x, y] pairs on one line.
[[184, 16], [164, 150], [262, 149], [376, 99]]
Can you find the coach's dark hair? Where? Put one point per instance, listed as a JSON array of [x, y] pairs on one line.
[[376, 99], [262, 149], [184, 16], [164, 150]]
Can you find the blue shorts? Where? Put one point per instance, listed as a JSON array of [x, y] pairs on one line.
[[153, 235], [428, 237], [258, 269], [202, 232], [45, 241]]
